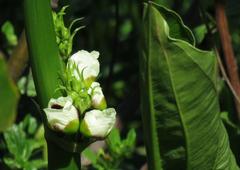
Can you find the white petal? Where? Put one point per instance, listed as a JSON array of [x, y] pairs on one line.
[[61, 101], [100, 123], [95, 54], [86, 62], [60, 118], [98, 99]]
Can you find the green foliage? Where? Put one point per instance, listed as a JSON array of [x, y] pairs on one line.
[[117, 151], [121, 148], [8, 97], [64, 37], [8, 31], [179, 102], [26, 85], [200, 32], [22, 146]]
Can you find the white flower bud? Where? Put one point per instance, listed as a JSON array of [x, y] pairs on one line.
[[62, 115], [98, 99], [87, 63], [98, 123]]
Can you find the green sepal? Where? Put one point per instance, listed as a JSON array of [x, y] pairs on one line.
[[81, 101], [72, 127], [102, 105], [89, 81], [84, 129]]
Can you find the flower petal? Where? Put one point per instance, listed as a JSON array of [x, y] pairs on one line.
[[98, 123], [87, 63], [98, 99], [64, 118]]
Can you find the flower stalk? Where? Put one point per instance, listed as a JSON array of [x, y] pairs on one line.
[[46, 66], [82, 110], [74, 107]]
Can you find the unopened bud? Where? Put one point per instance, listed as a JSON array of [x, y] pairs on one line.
[[98, 123], [62, 115]]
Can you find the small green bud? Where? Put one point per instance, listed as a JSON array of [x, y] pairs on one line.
[[82, 103]]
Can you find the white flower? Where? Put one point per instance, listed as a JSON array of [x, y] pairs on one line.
[[98, 123], [87, 63], [62, 115], [98, 99]]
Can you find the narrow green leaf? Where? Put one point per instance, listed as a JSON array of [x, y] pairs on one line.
[[8, 97], [131, 138], [114, 138], [179, 98], [45, 60]]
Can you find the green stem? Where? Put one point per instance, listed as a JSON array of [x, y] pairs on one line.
[[46, 66], [62, 160]]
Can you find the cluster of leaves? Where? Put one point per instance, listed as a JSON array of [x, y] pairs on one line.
[[118, 150], [24, 143], [76, 88]]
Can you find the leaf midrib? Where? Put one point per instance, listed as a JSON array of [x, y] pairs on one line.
[[152, 110], [176, 97]]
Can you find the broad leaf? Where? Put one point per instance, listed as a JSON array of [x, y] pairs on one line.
[[180, 106]]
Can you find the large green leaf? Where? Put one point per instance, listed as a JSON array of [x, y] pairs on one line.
[[8, 97], [179, 101]]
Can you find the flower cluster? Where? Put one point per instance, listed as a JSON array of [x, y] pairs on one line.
[[84, 108]]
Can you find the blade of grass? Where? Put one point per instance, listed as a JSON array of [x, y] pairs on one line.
[[46, 65]]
